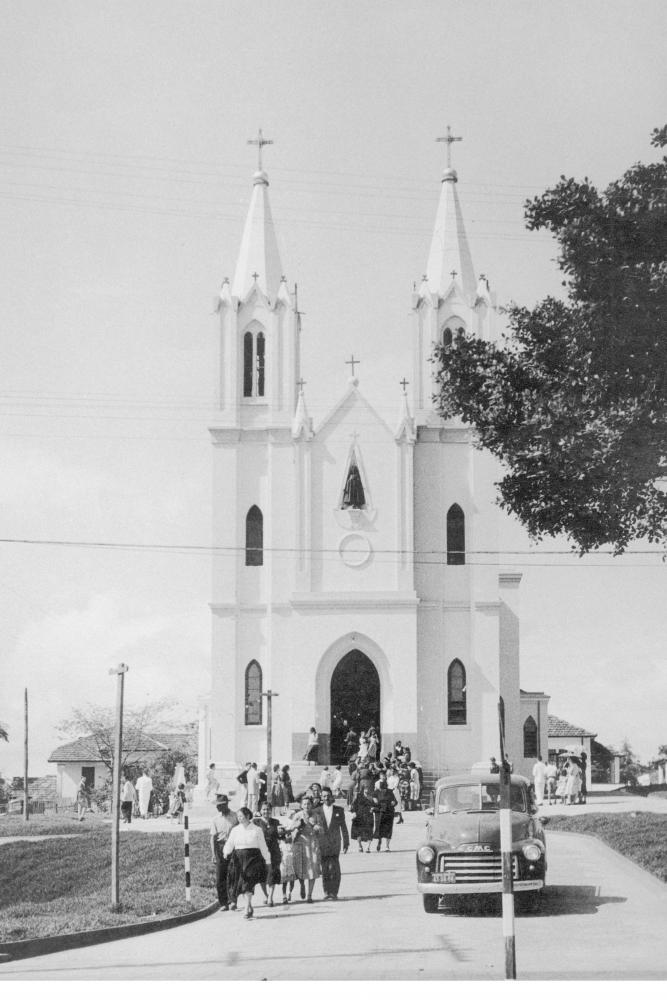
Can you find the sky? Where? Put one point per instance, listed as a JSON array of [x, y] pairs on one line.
[[125, 176]]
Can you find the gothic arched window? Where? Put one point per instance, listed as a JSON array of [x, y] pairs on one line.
[[456, 536], [447, 337], [254, 537], [253, 694], [457, 713], [254, 361], [530, 737]]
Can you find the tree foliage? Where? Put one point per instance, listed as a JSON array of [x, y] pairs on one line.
[[97, 723], [630, 766], [572, 400]]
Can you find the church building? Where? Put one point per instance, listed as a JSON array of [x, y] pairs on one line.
[[345, 570]]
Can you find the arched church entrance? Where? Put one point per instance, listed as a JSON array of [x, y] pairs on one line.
[[355, 700]]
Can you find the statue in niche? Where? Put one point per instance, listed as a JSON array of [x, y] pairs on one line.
[[353, 494]]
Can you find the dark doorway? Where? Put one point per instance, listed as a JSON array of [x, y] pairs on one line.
[[89, 774], [355, 700]]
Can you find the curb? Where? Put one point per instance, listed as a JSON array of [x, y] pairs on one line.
[[11, 951]]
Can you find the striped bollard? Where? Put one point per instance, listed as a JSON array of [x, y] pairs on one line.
[[186, 857]]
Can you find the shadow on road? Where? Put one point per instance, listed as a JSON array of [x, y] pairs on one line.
[[557, 901]]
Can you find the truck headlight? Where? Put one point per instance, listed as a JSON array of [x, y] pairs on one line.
[[426, 855], [532, 852]]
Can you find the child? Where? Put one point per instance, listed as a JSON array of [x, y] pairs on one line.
[[287, 875]]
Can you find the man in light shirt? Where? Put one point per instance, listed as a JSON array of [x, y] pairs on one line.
[[539, 777], [253, 788], [223, 823]]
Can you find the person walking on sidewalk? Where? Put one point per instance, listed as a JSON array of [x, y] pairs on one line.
[[251, 857], [222, 825], [333, 835], [539, 779]]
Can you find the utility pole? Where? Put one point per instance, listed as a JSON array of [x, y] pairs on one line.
[[120, 672], [269, 695], [26, 803], [506, 850]]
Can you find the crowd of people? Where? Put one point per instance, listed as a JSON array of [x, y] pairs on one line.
[[269, 850], [274, 840], [561, 780]]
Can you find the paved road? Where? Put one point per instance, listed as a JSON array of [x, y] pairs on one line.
[[602, 918]]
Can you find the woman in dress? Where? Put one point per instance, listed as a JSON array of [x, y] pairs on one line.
[[415, 787], [250, 858], [384, 805], [82, 800], [562, 783], [392, 785], [271, 829], [276, 791], [573, 783], [306, 848], [313, 747], [362, 819], [286, 779]]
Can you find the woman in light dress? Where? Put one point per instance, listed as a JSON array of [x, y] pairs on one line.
[[573, 783], [306, 847]]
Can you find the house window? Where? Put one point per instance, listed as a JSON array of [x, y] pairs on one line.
[[254, 537], [456, 536], [530, 737], [457, 714], [253, 694], [254, 360]]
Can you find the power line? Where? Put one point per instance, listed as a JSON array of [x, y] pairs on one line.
[[417, 556]]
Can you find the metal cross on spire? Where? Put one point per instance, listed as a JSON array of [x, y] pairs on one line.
[[449, 139], [259, 142], [353, 361]]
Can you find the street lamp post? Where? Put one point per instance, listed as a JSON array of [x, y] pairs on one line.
[[120, 672]]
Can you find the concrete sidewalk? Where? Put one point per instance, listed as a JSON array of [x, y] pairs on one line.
[[608, 799], [602, 918]]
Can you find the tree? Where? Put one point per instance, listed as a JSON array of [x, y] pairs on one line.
[[630, 766], [97, 723], [572, 400]]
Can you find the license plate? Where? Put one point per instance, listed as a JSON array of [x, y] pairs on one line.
[[446, 877]]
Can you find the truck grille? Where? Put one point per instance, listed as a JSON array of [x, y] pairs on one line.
[[476, 867]]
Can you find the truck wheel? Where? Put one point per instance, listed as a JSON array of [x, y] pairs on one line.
[[430, 903]]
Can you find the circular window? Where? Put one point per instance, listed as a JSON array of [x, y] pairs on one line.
[[354, 549]]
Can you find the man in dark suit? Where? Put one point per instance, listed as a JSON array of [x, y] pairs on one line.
[[333, 835]]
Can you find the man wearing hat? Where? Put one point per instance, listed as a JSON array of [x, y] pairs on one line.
[[222, 824]]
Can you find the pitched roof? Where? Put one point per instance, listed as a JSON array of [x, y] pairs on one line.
[[85, 748], [562, 728]]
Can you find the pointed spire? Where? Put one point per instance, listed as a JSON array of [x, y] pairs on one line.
[[405, 426], [449, 261], [259, 260], [302, 425]]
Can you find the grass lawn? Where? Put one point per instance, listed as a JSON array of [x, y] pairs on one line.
[[641, 837], [15, 826], [60, 886]]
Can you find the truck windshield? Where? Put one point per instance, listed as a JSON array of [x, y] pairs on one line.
[[483, 797]]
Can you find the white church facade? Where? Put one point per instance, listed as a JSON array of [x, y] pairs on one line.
[[344, 575]]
